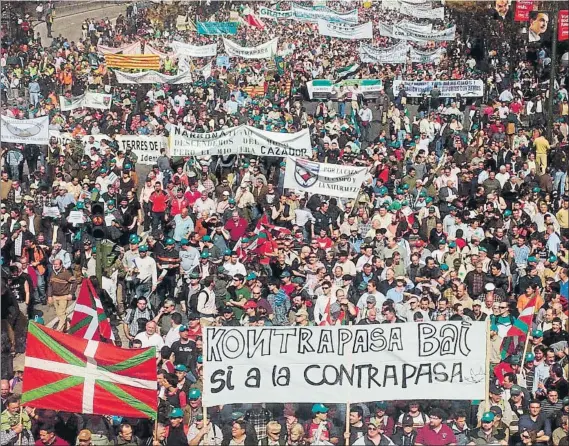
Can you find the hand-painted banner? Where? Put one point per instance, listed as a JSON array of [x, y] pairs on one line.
[[421, 13], [240, 140], [153, 77], [336, 364], [132, 48], [332, 180], [326, 89], [146, 148], [65, 138], [217, 28], [25, 131], [414, 35], [268, 13], [136, 62], [186, 49], [149, 49], [88, 100], [264, 51], [563, 25], [393, 55], [315, 14], [345, 30], [419, 56], [523, 8], [385, 30], [449, 89], [406, 24]]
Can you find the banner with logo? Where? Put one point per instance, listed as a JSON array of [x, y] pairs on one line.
[[523, 8], [321, 178], [132, 48], [314, 14], [88, 100], [216, 28], [422, 13], [146, 148], [392, 55], [187, 49], [327, 89], [240, 140], [264, 51], [25, 131], [268, 13], [153, 77], [473, 88], [419, 56], [345, 30], [414, 35], [133, 62], [563, 25]]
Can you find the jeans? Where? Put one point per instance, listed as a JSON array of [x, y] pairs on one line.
[[142, 290], [157, 220], [559, 180], [41, 289], [341, 109], [34, 98]]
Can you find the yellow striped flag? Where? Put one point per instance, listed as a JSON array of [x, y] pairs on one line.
[[137, 61], [257, 90]]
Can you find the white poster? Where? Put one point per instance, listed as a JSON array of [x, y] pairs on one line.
[[417, 36], [315, 14], [130, 49], [240, 140], [337, 364], [25, 131], [186, 49], [394, 54], [146, 148], [473, 88], [333, 180], [152, 77], [263, 51], [345, 30], [422, 13]]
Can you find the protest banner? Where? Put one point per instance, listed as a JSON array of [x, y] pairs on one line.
[[406, 24], [89, 100], [415, 35], [327, 89], [422, 13], [345, 30], [216, 28], [149, 49], [146, 148], [70, 103], [314, 14], [240, 140], [321, 178], [25, 131], [133, 48], [523, 8], [473, 88], [563, 25], [337, 364], [419, 56], [395, 54], [186, 49], [264, 51], [64, 138], [76, 217], [385, 30], [136, 62], [268, 13], [153, 77]]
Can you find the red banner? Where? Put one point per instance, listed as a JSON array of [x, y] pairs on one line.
[[563, 25], [523, 8]]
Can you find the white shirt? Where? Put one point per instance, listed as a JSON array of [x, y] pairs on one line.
[[172, 336], [366, 114], [151, 341], [146, 269], [320, 307], [232, 269]]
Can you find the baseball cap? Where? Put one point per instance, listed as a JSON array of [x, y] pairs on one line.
[[489, 287], [206, 238], [495, 389], [176, 413], [476, 302], [530, 357], [184, 242], [319, 408], [236, 415], [194, 394], [516, 390], [565, 401], [226, 310], [381, 405], [515, 359], [180, 368], [84, 435], [371, 300], [143, 248], [407, 421], [302, 312], [183, 328], [537, 333], [251, 276], [496, 410], [488, 417], [250, 304]]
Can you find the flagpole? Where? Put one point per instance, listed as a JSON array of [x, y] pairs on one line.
[[156, 428], [530, 325], [347, 432], [487, 365], [20, 436], [205, 439]]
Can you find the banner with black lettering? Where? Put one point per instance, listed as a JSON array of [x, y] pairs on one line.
[[421, 36], [25, 131], [326, 89], [395, 54], [153, 77], [99, 101], [345, 30], [323, 13], [240, 140], [422, 13], [187, 49], [146, 148], [427, 360], [473, 88], [420, 56], [264, 51]]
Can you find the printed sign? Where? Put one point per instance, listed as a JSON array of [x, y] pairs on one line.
[[25, 131], [153, 77], [419, 56], [217, 28], [523, 8], [264, 51], [429, 360], [345, 31], [449, 89], [146, 148], [186, 49], [563, 25]]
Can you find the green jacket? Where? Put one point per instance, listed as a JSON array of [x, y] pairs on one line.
[[7, 420]]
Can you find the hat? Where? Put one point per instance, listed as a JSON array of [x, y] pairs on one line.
[[251, 276], [496, 410], [285, 274], [231, 201], [204, 255], [566, 401], [226, 310], [516, 390], [28, 198], [532, 259], [495, 389], [319, 408], [180, 368], [143, 248], [17, 226], [227, 252], [169, 241], [236, 415], [176, 413], [84, 435], [381, 405], [407, 420], [488, 417], [452, 245], [537, 333], [489, 287], [250, 304], [371, 299], [225, 193], [476, 302], [194, 394], [302, 312], [530, 357], [206, 238], [183, 328], [515, 360], [193, 316]]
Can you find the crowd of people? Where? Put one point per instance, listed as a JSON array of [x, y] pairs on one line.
[[464, 215]]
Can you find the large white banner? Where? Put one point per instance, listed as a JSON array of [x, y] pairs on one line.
[[146, 148], [263, 51], [385, 30], [240, 140], [406, 24], [473, 88], [152, 77], [130, 49], [434, 56], [337, 364], [186, 49], [345, 30], [394, 54], [65, 138], [333, 180], [268, 13], [25, 131], [99, 101], [422, 13], [417, 36], [315, 14]]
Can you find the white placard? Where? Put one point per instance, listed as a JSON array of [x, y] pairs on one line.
[[76, 217], [146, 148], [473, 88], [25, 131], [152, 77], [345, 30], [51, 211], [263, 51], [430, 360], [417, 27], [333, 180], [186, 49]]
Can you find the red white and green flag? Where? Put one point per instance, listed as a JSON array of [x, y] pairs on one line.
[[516, 332], [89, 320], [64, 372]]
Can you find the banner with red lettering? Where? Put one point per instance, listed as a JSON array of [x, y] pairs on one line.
[[563, 25], [523, 8]]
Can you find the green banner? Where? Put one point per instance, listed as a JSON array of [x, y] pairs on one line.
[[217, 28]]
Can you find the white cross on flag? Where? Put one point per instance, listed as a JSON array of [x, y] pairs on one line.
[[89, 319]]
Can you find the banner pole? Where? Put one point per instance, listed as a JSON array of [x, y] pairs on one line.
[[527, 340], [20, 436], [347, 433], [156, 429], [487, 366], [205, 439]]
